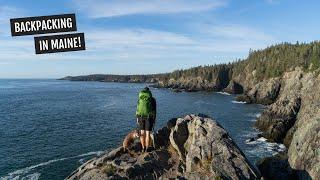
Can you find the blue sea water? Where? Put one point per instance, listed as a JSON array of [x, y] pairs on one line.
[[48, 127]]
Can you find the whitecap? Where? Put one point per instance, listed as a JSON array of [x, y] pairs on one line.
[[34, 176], [24, 171], [254, 115], [238, 102], [282, 146], [258, 115], [262, 139], [110, 104], [248, 141], [263, 148], [81, 161], [224, 93]]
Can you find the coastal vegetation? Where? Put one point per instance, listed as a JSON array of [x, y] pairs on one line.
[[267, 63], [270, 62]]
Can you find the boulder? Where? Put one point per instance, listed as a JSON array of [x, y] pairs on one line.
[[207, 150], [265, 92], [193, 147]]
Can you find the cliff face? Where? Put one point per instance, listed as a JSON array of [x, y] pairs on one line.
[[293, 119], [304, 149], [213, 81], [192, 147]]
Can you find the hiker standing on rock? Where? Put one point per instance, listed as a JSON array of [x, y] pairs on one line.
[[146, 116]]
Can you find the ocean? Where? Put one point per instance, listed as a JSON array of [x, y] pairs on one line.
[[49, 127]]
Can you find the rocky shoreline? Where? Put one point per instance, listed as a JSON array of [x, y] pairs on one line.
[[291, 117], [287, 82], [192, 147]]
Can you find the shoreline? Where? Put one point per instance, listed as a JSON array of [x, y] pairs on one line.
[[283, 96]]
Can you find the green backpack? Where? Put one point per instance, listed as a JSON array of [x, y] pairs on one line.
[[144, 107]]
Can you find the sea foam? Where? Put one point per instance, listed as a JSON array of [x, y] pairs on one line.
[[238, 102], [224, 93], [24, 172], [262, 146]]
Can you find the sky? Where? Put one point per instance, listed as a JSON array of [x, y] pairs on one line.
[[154, 36]]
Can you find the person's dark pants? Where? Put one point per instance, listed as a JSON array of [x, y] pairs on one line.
[[145, 123]]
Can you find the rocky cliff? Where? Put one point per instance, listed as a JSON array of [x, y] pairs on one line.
[[293, 118], [199, 79], [193, 147], [284, 77]]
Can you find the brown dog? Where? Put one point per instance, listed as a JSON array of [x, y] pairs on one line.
[[129, 139]]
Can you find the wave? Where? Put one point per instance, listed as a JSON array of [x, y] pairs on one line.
[[34, 176], [111, 104], [81, 161], [262, 146], [6, 87], [262, 139], [254, 115], [24, 171], [238, 102], [224, 93]]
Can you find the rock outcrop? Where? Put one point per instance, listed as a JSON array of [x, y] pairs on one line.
[[265, 92], [294, 120], [278, 118], [193, 147], [233, 88], [218, 81], [304, 149]]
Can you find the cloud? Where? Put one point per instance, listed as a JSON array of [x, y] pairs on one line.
[[143, 38], [271, 1], [6, 63], [233, 37], [204, 39], [100, 8], [232, 31], [130, 44], [7, 12]]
